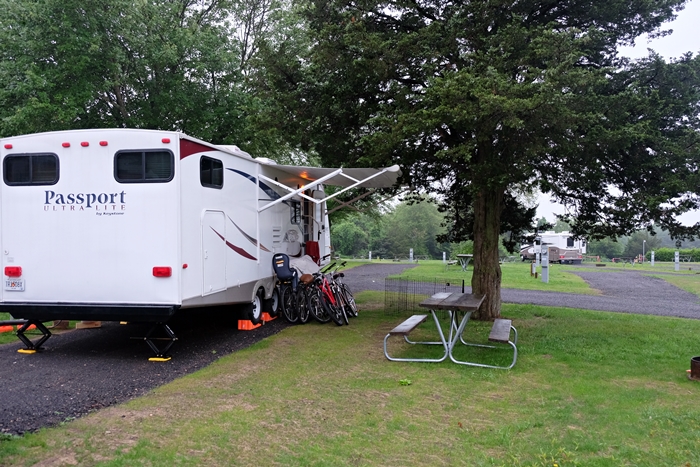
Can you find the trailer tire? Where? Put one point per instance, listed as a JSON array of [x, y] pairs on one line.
[[256, 309], [272, 305]]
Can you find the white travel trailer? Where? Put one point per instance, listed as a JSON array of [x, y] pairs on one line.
[[563, 248], [134, 225], [563, 240]]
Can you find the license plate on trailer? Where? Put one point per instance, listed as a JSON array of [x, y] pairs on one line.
[[16, 285]]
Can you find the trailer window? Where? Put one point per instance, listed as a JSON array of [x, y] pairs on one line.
[[211, 172], [147, 166], [569, 242], [30, 169]]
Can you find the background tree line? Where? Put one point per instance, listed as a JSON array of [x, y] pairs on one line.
[[182, 65], [393, 230]]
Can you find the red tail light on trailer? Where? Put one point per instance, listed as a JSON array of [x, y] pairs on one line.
[[162, 271], [13, 271]]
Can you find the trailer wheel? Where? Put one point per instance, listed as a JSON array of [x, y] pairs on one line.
[[256, 309], [272, 305]]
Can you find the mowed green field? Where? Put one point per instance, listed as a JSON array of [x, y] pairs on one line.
[[589, 388]]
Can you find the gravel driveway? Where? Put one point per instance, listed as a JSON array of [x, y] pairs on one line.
[[82, 371], [624, 291]]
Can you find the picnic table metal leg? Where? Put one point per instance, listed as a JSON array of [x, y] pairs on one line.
[[464, 262], [442, 342], [458, 336]]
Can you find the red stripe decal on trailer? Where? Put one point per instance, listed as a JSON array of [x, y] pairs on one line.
[[187, 148], [238, 250], [248, 237]]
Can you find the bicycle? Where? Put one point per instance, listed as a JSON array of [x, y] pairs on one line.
[[350, 305], [316, 309], [329, 296], [302, 297]]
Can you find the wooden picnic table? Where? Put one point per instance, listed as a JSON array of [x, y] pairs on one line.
[[460, 306]]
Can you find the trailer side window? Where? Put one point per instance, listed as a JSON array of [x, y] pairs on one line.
[[211, 172], [144, 166], [30, 169], [296, 212]]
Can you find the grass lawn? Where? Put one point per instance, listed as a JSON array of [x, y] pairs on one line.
[[590, 388], [689, 283], [7, 336]]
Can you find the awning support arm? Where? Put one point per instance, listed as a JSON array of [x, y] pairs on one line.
[[298, 191], [342, 205], [349, 203], [359, 182]]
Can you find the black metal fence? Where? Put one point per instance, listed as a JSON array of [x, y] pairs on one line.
[[403, 295]]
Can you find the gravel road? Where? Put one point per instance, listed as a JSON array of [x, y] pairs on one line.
[[85, 370], [624, 291]]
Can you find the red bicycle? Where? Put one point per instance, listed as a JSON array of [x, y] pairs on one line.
[[324, 298]]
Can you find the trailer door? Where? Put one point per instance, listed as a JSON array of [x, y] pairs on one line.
[[214, 251]]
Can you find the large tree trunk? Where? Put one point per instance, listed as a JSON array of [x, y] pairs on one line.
[[486, 279]]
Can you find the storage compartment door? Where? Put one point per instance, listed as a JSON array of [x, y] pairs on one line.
[[214, 251]]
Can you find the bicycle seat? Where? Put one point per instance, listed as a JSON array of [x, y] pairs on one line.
[[306, 279]]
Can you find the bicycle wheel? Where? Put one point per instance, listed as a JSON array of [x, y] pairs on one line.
[[302, 305], [289, 306], [351, 306], [333, 311], [340, 303], [315, 308]]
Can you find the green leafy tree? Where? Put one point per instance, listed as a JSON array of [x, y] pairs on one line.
[[561, 226], [415, 225], [641, 241], [605, 248], [172, 65], [466, 247], [348, 238], [481, 101]]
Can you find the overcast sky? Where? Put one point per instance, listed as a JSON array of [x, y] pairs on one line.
[[685, 38]]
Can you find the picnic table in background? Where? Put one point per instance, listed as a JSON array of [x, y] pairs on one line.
[[464, 260]]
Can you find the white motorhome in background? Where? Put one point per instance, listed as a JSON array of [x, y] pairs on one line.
[[563, 248], [134, 225]]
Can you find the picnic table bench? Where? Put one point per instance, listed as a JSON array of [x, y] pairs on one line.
[[455, 304], [407, 326]]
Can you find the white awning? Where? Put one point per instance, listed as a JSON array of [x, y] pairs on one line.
[[297, 179], [291, 175]]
